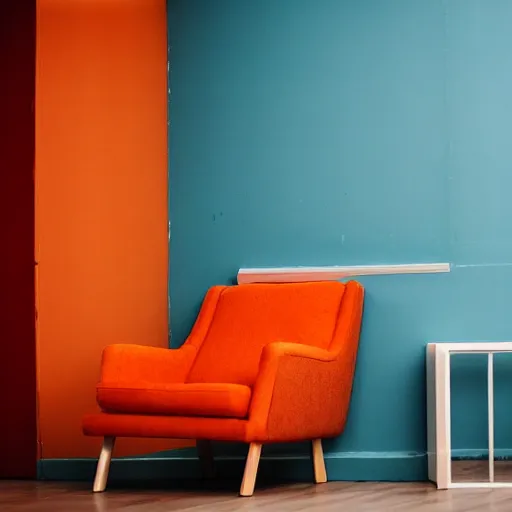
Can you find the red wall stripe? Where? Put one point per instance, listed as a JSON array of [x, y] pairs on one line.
[[18, 419]]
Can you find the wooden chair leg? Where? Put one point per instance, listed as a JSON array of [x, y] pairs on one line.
[[251, 470], [205, 454], [100, 481], [318, 462]]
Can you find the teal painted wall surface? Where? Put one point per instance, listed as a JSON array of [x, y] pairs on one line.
[[340, 132]]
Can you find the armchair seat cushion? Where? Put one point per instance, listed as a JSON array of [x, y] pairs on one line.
[[194, 399]]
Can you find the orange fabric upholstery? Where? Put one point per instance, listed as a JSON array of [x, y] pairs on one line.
[[304, 392], [178, 427], [249, 317], [263, 363], [129, 364], [217, 400]]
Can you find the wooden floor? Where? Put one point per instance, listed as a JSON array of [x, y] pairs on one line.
[[473, 471], [330, 497]]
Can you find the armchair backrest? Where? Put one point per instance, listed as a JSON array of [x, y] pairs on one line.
[[237, 322]]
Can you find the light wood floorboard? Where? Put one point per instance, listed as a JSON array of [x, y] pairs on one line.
[[330, 497], [478, 471]]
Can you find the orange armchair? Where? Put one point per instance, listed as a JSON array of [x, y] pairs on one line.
[[264, 363]]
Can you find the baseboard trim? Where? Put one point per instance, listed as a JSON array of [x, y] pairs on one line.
[[183, 465], [482, 454], [346, 466]]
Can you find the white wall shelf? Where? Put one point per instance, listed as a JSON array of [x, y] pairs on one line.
[[308, 274]]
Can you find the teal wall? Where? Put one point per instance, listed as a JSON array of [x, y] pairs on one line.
[[338, 132]]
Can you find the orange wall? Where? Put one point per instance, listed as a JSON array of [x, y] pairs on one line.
[[101, 202]]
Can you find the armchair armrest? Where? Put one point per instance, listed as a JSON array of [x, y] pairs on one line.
[[123, 364], [301, 392], [281, 349]]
